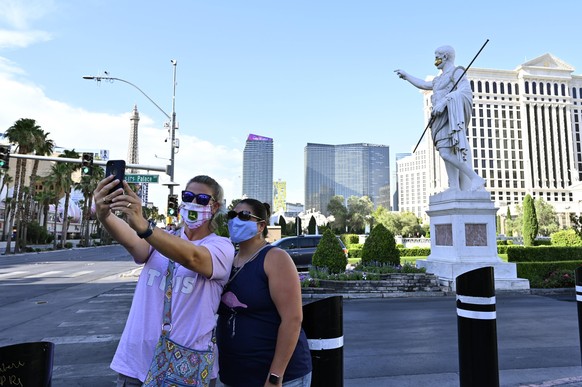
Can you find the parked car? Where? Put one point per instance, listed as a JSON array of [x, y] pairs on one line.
[[302, 247]]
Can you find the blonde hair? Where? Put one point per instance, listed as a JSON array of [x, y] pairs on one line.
[[217, 194]]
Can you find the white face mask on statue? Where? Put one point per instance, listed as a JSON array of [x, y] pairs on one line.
[[194, 215]]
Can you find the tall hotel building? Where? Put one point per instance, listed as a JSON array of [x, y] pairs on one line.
[[524, 136], [279, 196], [257, 178], [347, 170]]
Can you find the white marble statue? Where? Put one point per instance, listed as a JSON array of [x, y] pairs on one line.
[[451, 113]]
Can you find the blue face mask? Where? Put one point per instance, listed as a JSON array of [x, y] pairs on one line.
[[241, 230]]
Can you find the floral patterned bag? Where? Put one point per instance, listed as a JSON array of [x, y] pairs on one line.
[[173, 364]]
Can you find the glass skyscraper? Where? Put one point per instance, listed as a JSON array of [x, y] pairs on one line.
[[347, 170], [257, 178]]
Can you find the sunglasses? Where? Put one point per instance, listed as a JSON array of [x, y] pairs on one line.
[[242, 215], [202, 199]]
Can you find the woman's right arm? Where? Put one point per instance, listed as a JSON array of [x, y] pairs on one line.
[[115, 226]]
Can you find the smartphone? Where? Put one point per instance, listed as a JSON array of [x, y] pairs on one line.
[[116, 168]]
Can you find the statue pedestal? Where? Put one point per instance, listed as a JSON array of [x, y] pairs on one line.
[[462, 230]]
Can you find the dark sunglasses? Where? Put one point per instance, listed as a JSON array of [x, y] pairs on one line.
[[202, 199], [242, 215]]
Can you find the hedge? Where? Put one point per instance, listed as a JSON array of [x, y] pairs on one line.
[[544, 254], [537, 272]]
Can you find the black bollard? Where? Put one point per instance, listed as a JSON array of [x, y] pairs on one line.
[[323, 326], [579, 303], [477, 329], [27, 364]]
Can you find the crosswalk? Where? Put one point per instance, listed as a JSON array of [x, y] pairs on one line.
[[93, 326]]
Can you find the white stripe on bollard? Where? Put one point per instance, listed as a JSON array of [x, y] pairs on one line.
[[579, 297], [476, 315], [324, 344], [578, 288]]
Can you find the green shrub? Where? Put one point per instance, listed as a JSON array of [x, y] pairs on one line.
[[502, 249], [36, 234], [415, 252], [566, 238], [530, 221], [329, 254], [410, 268], [350, 239], [561, 278], [355, 251], [380, 247]]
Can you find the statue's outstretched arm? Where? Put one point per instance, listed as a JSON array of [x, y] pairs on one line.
[[420, 83]]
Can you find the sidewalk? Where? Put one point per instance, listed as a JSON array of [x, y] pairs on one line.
[[40, 247]]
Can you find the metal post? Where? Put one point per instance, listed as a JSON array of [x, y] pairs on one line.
[[477, 329], [323, 326], [172, 118], [173, 130], [578, 272]]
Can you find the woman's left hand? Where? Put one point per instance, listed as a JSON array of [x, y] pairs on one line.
[[130, 204]]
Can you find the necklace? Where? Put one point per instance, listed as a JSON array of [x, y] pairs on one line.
[[255, 254], [235, 270]]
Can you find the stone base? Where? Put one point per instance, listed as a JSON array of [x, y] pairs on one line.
[[504, 273], [462, 226]]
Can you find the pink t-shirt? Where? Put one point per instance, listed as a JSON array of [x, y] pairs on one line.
[[195, 301]]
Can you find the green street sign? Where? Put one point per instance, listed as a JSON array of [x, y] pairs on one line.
[[134, 178]]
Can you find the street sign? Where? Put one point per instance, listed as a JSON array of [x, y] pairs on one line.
[[134, 178]]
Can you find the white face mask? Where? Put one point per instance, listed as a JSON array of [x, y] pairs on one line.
[[194, 215]]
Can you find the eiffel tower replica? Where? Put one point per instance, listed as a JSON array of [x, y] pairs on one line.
[[133, 153]]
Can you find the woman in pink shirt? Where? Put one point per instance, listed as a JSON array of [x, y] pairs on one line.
[[202, 263]]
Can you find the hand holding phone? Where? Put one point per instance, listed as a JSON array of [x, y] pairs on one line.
[[116, 168]]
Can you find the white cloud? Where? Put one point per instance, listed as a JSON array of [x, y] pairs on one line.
[[9, 39], [18, 13], [77, 128], [15, 17]]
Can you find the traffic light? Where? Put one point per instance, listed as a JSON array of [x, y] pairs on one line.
[[87, 164], [172, 205], [4, 156]]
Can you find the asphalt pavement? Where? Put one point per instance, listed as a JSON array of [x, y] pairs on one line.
[[398, 342]]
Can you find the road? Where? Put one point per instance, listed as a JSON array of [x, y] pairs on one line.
[[79, 300]]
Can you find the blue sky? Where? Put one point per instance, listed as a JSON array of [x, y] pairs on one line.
[[318, 71]]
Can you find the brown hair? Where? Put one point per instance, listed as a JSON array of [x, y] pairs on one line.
[[262, 210]]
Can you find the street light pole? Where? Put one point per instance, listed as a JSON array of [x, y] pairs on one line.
[[172, 118], [173, 131]]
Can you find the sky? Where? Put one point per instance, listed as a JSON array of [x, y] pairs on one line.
[[301, 71]]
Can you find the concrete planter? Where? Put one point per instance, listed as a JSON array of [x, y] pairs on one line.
[[392, 285]]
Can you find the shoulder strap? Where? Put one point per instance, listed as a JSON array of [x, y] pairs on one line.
[[167, 311]]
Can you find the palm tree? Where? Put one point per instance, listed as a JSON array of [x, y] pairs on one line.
[[25, 134], [45, 198], [87, 185], [43, 147], [66, 183]]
